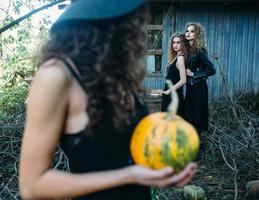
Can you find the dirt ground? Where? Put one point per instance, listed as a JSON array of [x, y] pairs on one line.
[[229, 159]]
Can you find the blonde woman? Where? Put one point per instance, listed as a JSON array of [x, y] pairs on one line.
[[176, 71]]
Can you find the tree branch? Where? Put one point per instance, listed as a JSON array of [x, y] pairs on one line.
[[17, 21]]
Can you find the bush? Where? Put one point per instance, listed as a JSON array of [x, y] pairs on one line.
[[12, 99]]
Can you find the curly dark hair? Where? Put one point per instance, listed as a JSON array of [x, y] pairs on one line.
[[108, 56]]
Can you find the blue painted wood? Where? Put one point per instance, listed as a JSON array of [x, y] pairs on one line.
[[232, 33], [166, 35], [154, 82], [255, 64]]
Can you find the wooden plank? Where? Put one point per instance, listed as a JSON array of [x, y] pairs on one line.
[[154, 27], [155, 52]]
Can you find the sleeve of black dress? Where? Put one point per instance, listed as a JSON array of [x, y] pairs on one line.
[[208, 67]]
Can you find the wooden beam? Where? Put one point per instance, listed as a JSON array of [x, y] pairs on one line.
[[155, 27], [155, 52]]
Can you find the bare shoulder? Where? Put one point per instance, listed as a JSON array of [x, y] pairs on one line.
[[51, 83], [180, 62], [180, 58], [52, 72]]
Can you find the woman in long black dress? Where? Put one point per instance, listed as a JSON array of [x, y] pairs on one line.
[[176, 71], [199, 67], [85, 96]]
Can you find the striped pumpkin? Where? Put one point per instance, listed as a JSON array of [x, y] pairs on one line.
[[164, 139]]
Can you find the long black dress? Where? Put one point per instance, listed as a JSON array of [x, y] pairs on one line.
[[106, 149], [196, 99], [173, 74]]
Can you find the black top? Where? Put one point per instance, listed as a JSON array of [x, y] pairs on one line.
[[196, 98], [104, 150], [200, 65], [173, 74]]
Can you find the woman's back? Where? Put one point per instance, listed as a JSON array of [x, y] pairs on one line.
[[106, 149]]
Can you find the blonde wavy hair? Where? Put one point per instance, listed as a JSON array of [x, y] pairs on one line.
[[171, 53], [199, 41]]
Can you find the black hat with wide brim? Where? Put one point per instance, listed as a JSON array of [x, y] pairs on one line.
[[96, 10]]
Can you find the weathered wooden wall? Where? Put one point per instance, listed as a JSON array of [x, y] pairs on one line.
[[232, 35]]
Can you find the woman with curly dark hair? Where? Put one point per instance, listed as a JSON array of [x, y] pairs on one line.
[[86, 96], [175, 71], [199, 67]]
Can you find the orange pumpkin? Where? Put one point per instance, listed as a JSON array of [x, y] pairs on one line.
[[164, 139]]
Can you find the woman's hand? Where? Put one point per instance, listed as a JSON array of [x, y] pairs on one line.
[[167, 92], [189, 72], [161, 178]]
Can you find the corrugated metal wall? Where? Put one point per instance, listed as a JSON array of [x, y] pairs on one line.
[[232, 35]]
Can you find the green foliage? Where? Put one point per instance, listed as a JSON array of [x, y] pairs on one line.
[[156, 194], [18, 47], [11, 99], [8, 19]]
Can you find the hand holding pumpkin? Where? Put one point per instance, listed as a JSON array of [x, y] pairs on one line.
[[164, 177], [165, 139]]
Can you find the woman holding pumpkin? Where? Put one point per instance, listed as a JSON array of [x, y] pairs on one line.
[[91, 72], [199, 67], [176, 71]]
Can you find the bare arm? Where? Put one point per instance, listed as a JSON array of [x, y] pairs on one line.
[[181, 67], [45, 118]]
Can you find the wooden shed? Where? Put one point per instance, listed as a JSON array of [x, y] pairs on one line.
[[232, 37]]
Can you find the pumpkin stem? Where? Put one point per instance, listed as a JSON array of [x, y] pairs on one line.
[[173, 106]]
